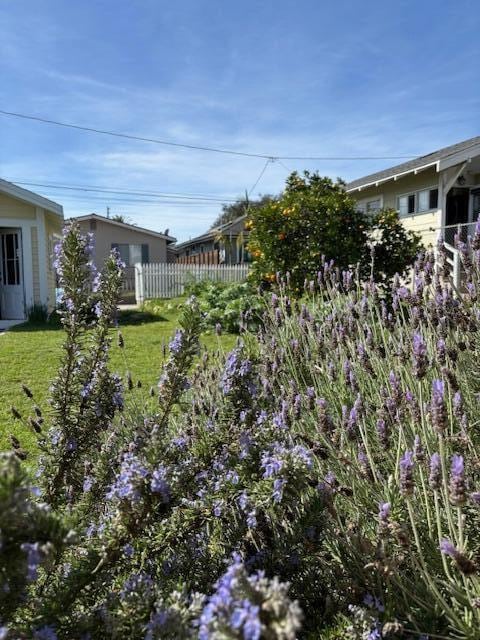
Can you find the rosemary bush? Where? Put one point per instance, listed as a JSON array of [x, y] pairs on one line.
[[322, 475]]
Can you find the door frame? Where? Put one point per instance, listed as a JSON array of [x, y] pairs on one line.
[[16, 229]]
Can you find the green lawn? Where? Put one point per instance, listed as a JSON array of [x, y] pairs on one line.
[[29, 354]]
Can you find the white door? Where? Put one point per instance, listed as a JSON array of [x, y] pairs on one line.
[[11, 277]]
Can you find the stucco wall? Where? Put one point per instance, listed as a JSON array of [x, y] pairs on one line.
[[425, 223], [107, 234]]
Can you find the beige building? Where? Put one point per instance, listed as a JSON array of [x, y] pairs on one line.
[[30, 226], [134, 244], [433, 194]]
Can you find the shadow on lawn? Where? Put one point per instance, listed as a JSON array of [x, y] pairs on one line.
[[125, 317]]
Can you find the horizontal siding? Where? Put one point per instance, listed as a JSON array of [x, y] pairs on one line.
[[35, 266], [426, 224]]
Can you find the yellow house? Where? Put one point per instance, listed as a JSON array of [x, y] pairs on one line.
[[30, 225], [435, 195]]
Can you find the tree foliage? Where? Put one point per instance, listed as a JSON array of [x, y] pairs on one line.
[[316, 220], [239, 208]]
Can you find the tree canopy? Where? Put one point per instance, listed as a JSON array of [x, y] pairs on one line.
[[316, 219], [239, 208]]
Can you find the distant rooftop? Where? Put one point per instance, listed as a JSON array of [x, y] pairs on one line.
[[126, 225], [211, 233]]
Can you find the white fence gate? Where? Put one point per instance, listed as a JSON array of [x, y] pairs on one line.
[[167, 280]]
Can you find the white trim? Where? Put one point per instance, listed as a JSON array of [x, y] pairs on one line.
[[42, 256], [28, 196], [415, 193], [393, 176], [27, 268]]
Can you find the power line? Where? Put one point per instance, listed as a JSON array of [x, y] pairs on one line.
[[95, 189], [264, 168], [157, 203], [127, 136]]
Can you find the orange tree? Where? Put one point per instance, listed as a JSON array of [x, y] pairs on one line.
[[315, 218]]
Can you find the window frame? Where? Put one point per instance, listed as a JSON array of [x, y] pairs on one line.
[[416, 193], [362, 205]]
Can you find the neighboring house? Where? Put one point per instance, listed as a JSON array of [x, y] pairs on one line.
[[433, 194], [134, 244], [30, 225], [225, 244]]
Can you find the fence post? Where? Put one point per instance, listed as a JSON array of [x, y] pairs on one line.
[[139, 288]]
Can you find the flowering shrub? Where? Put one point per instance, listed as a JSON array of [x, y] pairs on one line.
[[321, 480]]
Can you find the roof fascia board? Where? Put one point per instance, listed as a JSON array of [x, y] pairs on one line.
[[29, 196], [458, 158], [393, 176]]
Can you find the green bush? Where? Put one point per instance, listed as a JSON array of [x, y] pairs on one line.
[[231, 305]]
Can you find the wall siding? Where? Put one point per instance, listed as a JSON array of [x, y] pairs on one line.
[[35, 266], [106, 234], [422, 223]]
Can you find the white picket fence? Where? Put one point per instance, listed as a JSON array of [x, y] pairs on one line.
[[167, 280]]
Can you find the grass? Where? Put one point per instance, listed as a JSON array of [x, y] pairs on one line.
[[30, 352]]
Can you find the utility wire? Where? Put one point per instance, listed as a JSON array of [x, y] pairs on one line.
[[94, 189], [264, 168], [269, 156]]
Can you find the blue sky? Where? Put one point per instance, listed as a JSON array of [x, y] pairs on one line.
[[280, 77]]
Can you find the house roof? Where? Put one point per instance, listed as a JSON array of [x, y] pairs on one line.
[[460, 151], [20, 193], [125, 225], [212, 233]]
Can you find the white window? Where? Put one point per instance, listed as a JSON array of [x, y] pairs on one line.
[[406, 204], [369, 206], [374, 205], [417, 202]]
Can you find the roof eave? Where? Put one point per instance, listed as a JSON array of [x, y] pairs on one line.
[[395, 176], [25, 195]]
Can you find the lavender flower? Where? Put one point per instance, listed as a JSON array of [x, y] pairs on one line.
[[435, 476], [457, 481], [437, 406], [384, 517], [465, 565], [406, 474], [419, 356]]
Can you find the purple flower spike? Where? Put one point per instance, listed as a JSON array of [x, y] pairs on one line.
[[406, 474], [447, 548], [419, 356], [475, 498], [435, 472], [437, 407], [457, 481]]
